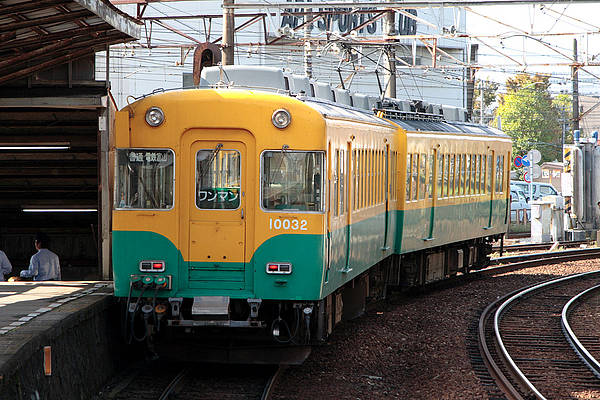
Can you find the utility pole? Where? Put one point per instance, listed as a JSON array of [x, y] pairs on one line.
[[481, 102], [574, 69], [228, 33], [307, 46], [564, 126], [389, 29]]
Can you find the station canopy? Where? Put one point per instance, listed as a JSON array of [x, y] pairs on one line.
[[36, 35]]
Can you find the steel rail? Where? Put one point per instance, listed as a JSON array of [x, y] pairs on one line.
[[268, 391], [173, 385], [494, 369], [564, 255], [579, 348], [523, 380]]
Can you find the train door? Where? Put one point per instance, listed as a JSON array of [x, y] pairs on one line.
[[431, 191], [491, 182], [386, 198], [329, 209], [348, 204], [217, 220]]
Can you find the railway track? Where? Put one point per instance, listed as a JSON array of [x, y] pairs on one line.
[[197, 381], [522, 343], [538, 246], [552, 257]]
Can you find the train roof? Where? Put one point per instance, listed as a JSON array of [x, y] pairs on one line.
[[335, 110], [448, 126]]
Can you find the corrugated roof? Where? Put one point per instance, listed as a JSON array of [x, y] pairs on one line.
[[37, 35]]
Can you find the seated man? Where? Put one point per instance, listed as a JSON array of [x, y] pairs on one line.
[[5, 266], [44, 265]]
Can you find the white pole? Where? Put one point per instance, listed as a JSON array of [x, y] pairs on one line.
[[530, 168]]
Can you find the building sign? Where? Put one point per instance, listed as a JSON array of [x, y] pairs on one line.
[[345, 23]]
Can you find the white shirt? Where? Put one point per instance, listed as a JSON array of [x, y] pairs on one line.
[[5, 267], [43, 266]]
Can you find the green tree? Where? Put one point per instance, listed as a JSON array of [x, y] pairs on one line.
[[530, 117]]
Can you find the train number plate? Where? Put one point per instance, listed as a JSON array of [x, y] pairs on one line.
[[288, 224]]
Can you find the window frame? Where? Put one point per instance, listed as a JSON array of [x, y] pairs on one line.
[[324, 190], [117, 181]]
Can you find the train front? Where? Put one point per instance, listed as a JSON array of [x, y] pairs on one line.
[[219, 218]]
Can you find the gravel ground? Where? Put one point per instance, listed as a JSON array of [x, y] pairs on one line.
[[409, 347]]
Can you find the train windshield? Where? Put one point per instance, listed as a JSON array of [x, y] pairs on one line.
[[144, 179], [292, 180]]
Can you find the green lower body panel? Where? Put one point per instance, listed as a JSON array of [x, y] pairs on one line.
[[237, 280]]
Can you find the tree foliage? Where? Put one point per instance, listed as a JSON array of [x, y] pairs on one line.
[[529, 115]]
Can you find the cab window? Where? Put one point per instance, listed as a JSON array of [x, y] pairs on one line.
[[218, 173], [144, 179], [292, 180]]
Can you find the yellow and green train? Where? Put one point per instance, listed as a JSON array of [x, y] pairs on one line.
[[278, 214]]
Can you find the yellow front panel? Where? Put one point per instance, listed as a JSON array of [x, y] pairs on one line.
[[212, 241]]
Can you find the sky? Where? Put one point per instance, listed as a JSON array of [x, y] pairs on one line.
[[537, 19]]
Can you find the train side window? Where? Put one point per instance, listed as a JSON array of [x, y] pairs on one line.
[[381, 176], [376, 171], [145, 179], [422, 176], [497, 185], [446, 180], [218, 177], [459, 175], [371, 182], [336, 174], [360, 177], [451, 176], [440, 176], [462, 174], [430, 177], [478, 174], [408, 175], [293, 180], [490, 172], [354, 179], [415, 177], [483, 169], [342, 166], [473, 175], [468, 175], [500, 174]]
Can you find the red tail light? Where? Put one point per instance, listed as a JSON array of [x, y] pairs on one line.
[[152, 266], [279, 268]]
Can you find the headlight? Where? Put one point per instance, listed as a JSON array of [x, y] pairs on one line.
[[155, 116], [281, 118]]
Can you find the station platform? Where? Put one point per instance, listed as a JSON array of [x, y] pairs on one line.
[[50, 330]]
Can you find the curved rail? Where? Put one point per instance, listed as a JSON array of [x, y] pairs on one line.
[[579, 348], [514, 370], [501, 379]]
